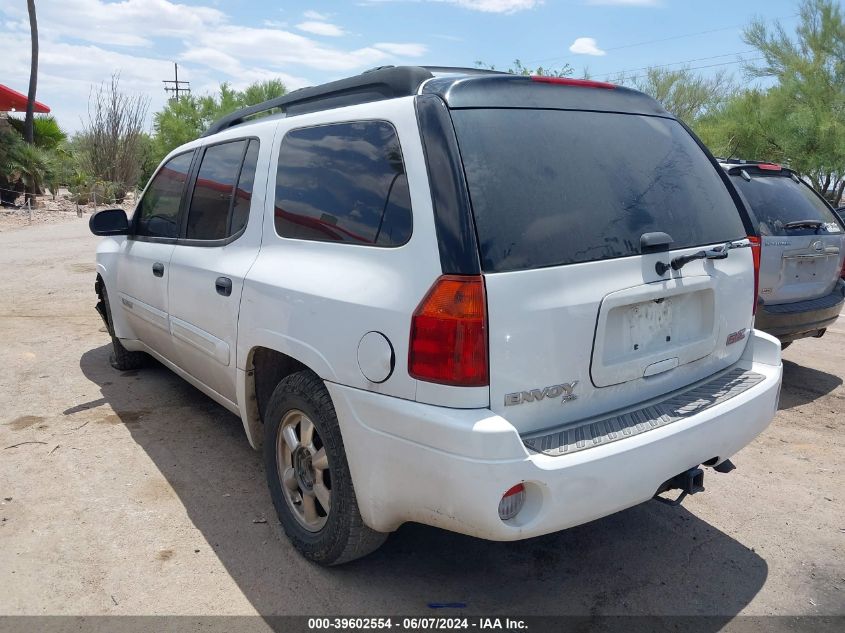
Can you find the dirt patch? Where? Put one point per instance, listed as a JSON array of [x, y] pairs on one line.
[[165, 554], [83, 268], [24, 422]]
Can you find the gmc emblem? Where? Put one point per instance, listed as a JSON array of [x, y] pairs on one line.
[[735, 337]]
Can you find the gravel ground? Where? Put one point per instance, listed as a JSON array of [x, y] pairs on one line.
[[132, 493], [46, 210]]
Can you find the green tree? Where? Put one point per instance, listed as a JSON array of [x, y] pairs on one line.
[[518, 68], [801, 119], [31, 165], [46, 131], [684, 93], [188, 117]]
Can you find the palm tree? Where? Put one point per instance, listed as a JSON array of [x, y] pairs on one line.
[[32, 165], [28, 132]]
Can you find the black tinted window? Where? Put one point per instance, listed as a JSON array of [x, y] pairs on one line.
[[243, 193], [776, 200], [158, 211], [551, 187], [208, 217], [343, 183]]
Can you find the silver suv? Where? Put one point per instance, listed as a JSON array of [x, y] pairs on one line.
[[801, 291]]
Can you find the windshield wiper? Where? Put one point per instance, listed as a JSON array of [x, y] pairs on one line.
[[719, 252], [803, 224]]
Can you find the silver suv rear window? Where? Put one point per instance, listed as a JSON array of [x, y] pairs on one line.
[[553, 187], [777, 200]]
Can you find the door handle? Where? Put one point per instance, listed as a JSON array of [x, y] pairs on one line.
[[223, 285], [158, 269]]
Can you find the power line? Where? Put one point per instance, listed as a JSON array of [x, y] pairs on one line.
[[739, 61], [657, 41], [684, 61]]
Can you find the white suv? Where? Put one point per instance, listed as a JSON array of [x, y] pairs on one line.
[[495, 304]]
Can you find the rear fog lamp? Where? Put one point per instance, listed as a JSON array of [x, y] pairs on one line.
[[512, 502]]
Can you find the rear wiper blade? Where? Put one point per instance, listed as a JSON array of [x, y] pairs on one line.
[[801, 224], [719, 252]]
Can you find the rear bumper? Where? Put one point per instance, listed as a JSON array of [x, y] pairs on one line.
[[791, 321], [449, 467]]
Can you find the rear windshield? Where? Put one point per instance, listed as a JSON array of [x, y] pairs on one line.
[[551, 187], [777, 200]]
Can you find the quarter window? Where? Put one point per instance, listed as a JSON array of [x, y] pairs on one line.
[[243, 193], [158, 211], [343, 183]]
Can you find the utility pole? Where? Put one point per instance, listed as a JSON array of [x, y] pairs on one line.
[[176, 87]]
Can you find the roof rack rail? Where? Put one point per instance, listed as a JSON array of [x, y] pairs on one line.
[[463, 70], [742, 161], [376, 84]]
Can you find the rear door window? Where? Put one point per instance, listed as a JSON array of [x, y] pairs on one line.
[[212, 200], [776, 200], [553, 187], [158, 211], [345, 183]]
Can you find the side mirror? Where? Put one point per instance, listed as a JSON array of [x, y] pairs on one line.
[[109, 222]]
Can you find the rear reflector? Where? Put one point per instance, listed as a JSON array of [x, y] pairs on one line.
[[769, 166], [512, 502], [567, 81], [449, 333], [755, 253]]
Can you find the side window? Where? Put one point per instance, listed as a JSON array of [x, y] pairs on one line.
[[158, 211], [343, 182], [208, 216]]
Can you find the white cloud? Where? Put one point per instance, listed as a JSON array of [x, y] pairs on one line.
[[83, 42], [497, 6], [127, 23], [315, 15], [321, 28], [273, 48], [486, 6], [402, 50], [627, 3], [586, 46]]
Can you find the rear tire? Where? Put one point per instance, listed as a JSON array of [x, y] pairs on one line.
[[308, 474], [120, 358]]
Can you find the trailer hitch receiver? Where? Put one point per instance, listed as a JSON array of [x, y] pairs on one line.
[[688, 482]]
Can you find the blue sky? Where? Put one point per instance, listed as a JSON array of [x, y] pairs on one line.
[[84, 41]]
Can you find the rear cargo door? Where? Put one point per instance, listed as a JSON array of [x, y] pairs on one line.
[[802, 241], [580, 321]]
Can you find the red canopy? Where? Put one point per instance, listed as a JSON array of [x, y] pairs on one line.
[[12, 100]]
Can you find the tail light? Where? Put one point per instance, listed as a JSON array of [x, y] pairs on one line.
[[842, 272], [569, 81], [449, 333], [755, 253]]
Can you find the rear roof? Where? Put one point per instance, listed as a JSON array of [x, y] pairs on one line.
[[519, 91], [458, 87]]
